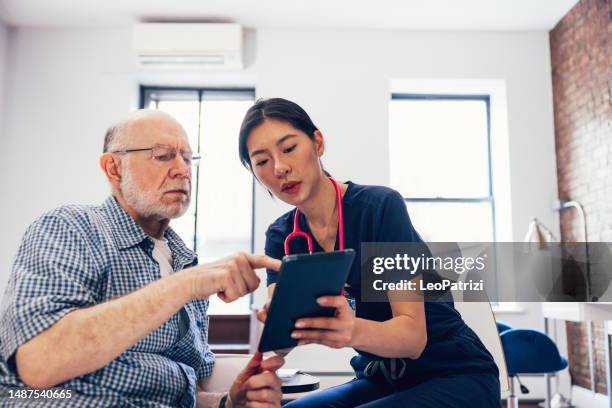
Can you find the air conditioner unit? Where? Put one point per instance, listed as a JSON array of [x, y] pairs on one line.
[[188, 46]]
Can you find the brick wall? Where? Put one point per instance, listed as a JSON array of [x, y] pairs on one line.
[[581, 61], [578, 351]]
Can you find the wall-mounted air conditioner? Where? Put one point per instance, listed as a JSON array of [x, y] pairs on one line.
[[201, 46]]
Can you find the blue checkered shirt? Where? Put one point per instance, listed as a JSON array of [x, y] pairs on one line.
[[79, 256]]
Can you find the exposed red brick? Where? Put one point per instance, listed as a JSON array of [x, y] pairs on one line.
[[581, 66]]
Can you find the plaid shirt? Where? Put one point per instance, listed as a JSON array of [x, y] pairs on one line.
[[79, 256]]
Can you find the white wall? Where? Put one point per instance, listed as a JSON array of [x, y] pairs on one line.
[[65, 86], [4, 252], [4, 32]]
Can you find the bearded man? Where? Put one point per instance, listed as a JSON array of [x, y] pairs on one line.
[[108, 305]]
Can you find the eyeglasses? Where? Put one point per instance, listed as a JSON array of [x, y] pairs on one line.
[[165, 154]]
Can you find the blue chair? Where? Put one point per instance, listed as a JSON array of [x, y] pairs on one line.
[[528, 351], [502, 327]]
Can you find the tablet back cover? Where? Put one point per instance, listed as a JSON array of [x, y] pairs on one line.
[[303, 278]]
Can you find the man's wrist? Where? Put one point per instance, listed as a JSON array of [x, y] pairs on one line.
[[200, 282], [181, 284], [226, 401]]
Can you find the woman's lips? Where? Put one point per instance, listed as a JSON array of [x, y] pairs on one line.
[[292, 188]]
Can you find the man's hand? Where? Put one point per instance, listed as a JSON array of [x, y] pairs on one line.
[[257, 385], [230, 278]]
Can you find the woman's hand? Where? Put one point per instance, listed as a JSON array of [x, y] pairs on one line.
[[336, 332], [262, 313]]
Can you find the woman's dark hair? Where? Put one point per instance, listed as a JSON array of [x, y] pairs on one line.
[[273, 108]]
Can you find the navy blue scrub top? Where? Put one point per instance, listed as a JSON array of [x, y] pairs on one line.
[[378, 214]]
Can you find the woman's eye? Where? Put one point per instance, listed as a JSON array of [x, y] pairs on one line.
[[289, 149], [261, 162]]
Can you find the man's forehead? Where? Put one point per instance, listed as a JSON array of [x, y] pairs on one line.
[[154, 128]]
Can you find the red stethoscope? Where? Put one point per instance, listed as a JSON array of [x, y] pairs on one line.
[[297, 232]]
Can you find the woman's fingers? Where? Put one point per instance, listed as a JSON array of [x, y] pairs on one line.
[[328, 323], [262, 315], [331, 331], [339, 302], [331, 323], [315, 335]]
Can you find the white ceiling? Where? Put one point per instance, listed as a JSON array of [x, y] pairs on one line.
[[496, 15]]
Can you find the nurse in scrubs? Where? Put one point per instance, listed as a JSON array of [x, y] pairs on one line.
[[410, 354]]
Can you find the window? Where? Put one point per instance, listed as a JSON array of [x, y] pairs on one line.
[[219, 221], [440, 161]]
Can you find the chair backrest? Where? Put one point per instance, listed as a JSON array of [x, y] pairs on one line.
[[475, 308], [479, 317]]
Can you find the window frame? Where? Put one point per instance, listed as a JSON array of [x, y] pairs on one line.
[[441, 199], [232, 327]]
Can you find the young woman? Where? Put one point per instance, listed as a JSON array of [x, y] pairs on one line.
[[416, 354]]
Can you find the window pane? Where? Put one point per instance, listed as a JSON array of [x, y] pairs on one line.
[[439, 148], [452, 222], [225, 205], [186, 112], [224, 191]]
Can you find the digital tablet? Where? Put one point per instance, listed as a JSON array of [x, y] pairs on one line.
[[302, 279]]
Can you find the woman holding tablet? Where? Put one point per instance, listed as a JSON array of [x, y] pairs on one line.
[[417, 354]]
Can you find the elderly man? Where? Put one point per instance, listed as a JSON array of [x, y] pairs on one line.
[[107, 302]]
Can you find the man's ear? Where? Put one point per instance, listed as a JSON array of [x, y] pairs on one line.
[[110, 166], [319, 143]]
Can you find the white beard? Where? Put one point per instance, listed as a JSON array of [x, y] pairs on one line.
[[148, 204]]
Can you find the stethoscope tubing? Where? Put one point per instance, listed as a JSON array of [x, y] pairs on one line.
[[297, 231]]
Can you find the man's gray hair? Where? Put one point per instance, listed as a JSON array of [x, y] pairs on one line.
[[115, 137], [112, 138]]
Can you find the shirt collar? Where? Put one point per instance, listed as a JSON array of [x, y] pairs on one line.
[[182, 255], [128, 233]]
